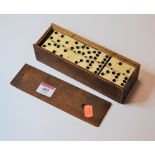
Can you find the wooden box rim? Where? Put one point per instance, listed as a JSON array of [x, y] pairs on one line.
[[90, 43]]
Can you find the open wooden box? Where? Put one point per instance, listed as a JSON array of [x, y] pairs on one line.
[[99, 83]]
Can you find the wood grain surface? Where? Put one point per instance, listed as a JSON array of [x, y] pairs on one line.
[[65, 97]]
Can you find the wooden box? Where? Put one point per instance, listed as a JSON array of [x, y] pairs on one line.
[[96, 66]]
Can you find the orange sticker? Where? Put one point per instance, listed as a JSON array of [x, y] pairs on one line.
[[88, 111]]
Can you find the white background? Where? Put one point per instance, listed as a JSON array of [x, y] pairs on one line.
[[23, 117]]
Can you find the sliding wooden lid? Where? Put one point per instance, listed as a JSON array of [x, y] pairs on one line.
[[62, 95]]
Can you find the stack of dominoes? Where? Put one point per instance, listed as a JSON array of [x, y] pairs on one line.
[[93, 60]]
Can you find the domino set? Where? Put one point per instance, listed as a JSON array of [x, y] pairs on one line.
[[96, 66], [87, 62], [93, 60]]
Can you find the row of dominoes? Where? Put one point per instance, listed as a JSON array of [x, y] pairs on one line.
[[117, 71], [78, 47], [93, 60], [82, 55]]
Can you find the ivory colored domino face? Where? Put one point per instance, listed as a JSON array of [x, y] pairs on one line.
[[114, 76], [65, 40], [117, 71], [121, 66], [78, 47], [76, 52], [93, 60], [79, 60], [60, 50], [94, 67]]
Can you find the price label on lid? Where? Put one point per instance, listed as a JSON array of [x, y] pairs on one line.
[[45, 89]]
